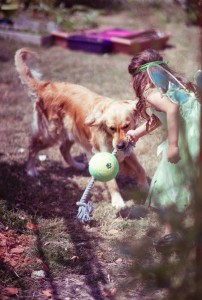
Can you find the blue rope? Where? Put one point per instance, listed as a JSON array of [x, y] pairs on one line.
[[85, 209]]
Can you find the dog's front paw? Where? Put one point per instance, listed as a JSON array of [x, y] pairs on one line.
[[79, 166], [118, 201]]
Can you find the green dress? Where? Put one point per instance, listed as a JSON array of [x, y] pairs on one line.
[[171, 183]]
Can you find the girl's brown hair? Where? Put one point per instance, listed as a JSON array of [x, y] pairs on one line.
[[141, 81]]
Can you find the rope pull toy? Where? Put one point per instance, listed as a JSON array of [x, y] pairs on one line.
[[85, 209]]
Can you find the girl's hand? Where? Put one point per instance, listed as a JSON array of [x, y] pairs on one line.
[[173, 154], [133, 138]]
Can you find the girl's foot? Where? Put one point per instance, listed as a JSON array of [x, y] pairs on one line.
[[168, 242]]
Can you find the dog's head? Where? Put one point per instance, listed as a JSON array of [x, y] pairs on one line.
[[115, 118]]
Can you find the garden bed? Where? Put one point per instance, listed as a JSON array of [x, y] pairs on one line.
[[25, 37]]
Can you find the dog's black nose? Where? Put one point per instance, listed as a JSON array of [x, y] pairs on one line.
[[121, 145]]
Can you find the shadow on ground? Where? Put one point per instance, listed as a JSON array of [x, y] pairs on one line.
[[55, 195]]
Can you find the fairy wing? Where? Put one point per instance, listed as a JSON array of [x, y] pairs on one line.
[[198, 80], [168, 83], [163, 78]]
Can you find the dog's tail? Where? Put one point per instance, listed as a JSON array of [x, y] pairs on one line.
[[27, 76]]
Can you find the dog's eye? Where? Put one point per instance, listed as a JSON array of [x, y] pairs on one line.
[[125, 126], [112, 128]]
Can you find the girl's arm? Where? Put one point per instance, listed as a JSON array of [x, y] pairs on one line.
[[142, 130], [171, 109]]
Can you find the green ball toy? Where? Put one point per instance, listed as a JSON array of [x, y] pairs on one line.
[[103, 166]]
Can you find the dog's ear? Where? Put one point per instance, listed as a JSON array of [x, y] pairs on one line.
[[95, 118], [132, 104]]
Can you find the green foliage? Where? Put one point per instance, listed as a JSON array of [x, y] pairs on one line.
[[68, 19], [193, 12], [192, 9], [11, 218], [75, 20]]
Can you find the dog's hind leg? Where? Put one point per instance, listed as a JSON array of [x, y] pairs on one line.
[[35, 146], [65, 151]]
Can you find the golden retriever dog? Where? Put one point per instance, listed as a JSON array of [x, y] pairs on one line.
[[67, 113]]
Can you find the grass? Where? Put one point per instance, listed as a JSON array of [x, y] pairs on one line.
[[85, 261]]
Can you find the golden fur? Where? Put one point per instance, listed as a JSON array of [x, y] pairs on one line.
[[68, 113]]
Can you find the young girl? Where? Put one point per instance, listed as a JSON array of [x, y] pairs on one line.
[[172, 103]]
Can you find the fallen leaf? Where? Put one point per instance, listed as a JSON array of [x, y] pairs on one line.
[[10, 291], [43, 265], [42, 157], [47, 293], [113, 231], [108, 293], [39, 260], [74, 258], [32, 226], [119, 260], [21, 150], [16, 250], [13, 262]]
